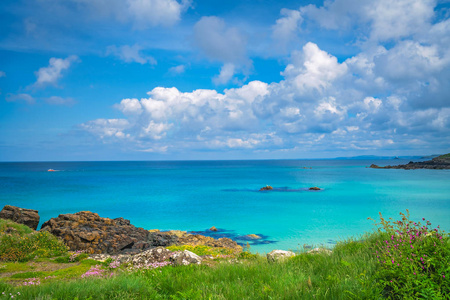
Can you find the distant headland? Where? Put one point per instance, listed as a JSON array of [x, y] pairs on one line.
[[441, 162]]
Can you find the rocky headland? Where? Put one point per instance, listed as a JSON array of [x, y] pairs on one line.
[[438, 163]]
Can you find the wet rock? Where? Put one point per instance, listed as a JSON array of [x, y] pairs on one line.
[[28, 217], [314, 188], [320, 250], [88, 231], [266, 188], [213, 228], [252, 236], [185, 258], [279, 255]]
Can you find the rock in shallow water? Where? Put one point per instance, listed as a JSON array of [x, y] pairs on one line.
[[28, 217]]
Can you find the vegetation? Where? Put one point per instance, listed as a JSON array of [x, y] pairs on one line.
[[401, 260]]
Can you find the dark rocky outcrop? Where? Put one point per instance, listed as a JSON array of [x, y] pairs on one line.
[[88, 231], [28, 217], [266, 188], [438, 163], [314, 188]]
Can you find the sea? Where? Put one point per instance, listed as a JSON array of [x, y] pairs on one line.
[[195, 195]]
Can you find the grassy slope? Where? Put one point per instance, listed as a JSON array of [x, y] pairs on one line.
[[350, 272]]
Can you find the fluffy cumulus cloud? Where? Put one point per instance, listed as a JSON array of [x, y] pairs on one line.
[[224, 44], [50, 75], [130, 54], [392, 94]]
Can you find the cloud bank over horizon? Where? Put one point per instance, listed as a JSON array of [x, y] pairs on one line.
[[384, 97], [312, 80]]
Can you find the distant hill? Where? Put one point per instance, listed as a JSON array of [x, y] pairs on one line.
[[373, 157]]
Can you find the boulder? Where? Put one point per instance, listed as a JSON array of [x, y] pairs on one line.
[[177, 233], [266, 188], [163, 239], [155, 255], [252, 237], [88, 231], [185, 258], [314, 188], [279, 255], [28, 217], [319, 250], [213, 228], [197, 240]]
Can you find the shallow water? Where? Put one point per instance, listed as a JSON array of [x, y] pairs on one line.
[[196, 195]]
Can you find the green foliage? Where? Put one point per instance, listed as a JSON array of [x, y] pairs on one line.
[[23, 247], [17, 229], [28, 274], [203, 250], [247, 255], [414, 260]]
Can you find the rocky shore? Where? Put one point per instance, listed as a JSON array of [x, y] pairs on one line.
[[88, 232], [438, 163]]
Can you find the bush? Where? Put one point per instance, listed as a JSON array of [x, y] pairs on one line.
[[203, 250], [414, 261], [16, 247]]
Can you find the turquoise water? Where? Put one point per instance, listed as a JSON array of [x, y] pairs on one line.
[[196, 195]]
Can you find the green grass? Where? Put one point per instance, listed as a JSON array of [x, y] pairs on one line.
[[352, 271]]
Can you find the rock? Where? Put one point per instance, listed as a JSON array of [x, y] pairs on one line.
[[154, 230], [319, 250], [266, 188], [279, 255], [213, 228], [147, 257], [438, 163], [197, 240], [185, 258], [177, 233], [252, 236], [88, 231], [162, 239], [28, 217], [158, 254], [314, 188]]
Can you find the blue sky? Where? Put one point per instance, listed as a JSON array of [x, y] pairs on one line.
[[206, 79]]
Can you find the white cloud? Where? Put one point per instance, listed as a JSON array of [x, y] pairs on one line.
[[50, 75], [226, 74], [56, 100], [107, 128], [180, 69], [286, 28], [224, 44], [2, 74], [130, 54], [20, 97]]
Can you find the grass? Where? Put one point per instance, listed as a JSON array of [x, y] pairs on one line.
[[353, 270]]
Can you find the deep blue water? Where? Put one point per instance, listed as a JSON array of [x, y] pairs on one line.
[[195, 195]]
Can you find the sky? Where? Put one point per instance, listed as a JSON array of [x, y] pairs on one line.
[[207, 79]]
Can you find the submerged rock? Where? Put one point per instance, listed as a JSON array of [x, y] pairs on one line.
[[252, 236], [28, 217], [279, 255]]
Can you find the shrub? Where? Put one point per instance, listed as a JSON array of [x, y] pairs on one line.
[[16, 247], [414, 260]]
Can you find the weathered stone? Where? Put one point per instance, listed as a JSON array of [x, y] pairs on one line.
[[266, 188], [163, 239], [28, 217], [279, 255], [154, 255], [185, 258], [320, 250], [177, 233], [197, 240], [213, 228], [88, 231], [252, 236]]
